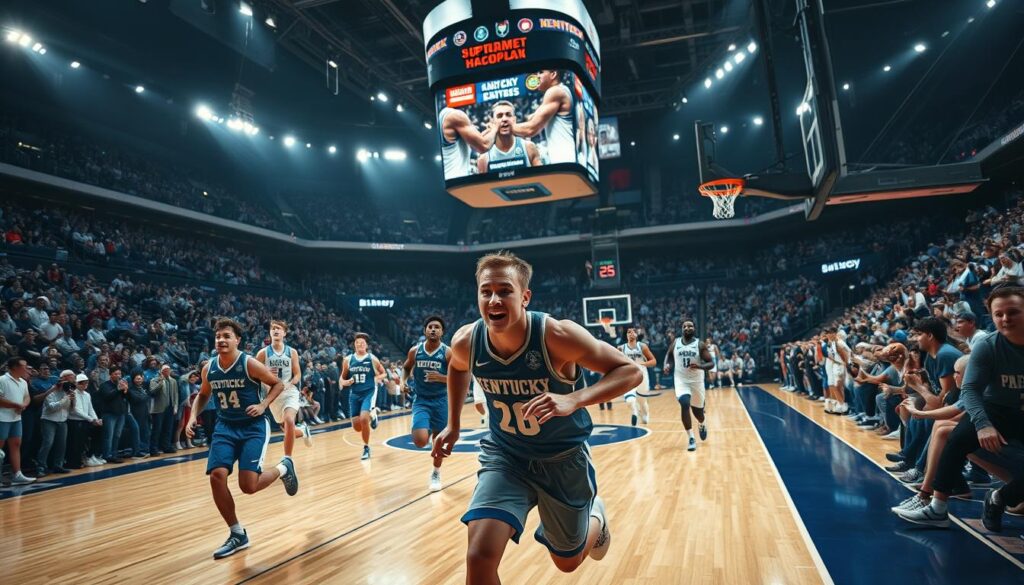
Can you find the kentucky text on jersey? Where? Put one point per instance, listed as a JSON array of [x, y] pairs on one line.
[[514, 387], [222, 384]]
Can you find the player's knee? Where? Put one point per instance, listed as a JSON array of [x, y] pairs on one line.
[[219, 475], [357, 424], [247, 485], [481, 558], [420, 439], [684, 400], [567, 565]]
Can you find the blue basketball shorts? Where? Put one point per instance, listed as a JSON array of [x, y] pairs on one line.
[[430, 413], [359, 402], [244, 442]]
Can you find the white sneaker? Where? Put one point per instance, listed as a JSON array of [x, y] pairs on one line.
[[647, 419], [100, 460], [604, 540], [912, 503], [893, 436], [821, 399], [177, 446], [20, 479], [307, 435], [435, 480]]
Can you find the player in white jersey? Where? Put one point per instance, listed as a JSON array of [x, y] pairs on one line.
[[283, 361], [509, 151], [690, 358], [554, 116], [714, 379], [836, 356], [638, 352], [458, 136]]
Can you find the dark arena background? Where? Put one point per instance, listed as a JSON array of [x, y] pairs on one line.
[[779, 241]]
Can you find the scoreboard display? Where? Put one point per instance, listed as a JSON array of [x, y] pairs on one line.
[[607, 273]]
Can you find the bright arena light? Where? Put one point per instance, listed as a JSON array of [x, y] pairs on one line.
[[719, 73], [24, 40], [437, 157], [758, 120], [37, 46], [309, 145], [75, 64], [739, 58], [13, 36], [724, 129], [395, 154], [332, 149], [728, 65], [707, 83], [289, 141], [363, 155], [686, 100], [732, 46], [803, 107], [428, 125], [675, 137], [887, 68], [920, 48], [332, 64], [399, 108], [751, 47], [203, 112], [42, 51], [245, 8], [235, 124], [139, 89], [382, 96], [991, 3]]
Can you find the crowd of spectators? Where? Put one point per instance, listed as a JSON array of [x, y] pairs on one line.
[[925, 360], [347, 218]]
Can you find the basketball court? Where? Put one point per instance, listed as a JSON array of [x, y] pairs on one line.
[[779, 493]]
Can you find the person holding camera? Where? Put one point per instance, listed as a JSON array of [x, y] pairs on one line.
[[54, 424], [111, 403], [81, 420]]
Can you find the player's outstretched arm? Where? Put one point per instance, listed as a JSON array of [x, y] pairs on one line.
[[479, 141], [202, 398], [261, 373], [458, 387], [540, 117], [568, 342]]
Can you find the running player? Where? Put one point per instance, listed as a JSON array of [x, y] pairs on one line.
[[509, 151], [554, 116], [427, 363], [536, 453], [689, 356], [242, 430], [638, 352], [458, 136], [363, 372], [283, 361]]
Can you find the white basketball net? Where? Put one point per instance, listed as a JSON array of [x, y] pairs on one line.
[[725, 207]]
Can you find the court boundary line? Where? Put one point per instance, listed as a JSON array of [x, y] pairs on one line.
[[969, 529], [350, 531], [819, 564]]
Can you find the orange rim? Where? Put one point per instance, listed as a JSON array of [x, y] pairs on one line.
[[722, 187]]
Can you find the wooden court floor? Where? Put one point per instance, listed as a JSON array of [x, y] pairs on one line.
[[717, 515]]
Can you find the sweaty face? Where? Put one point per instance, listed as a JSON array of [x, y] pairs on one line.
[[501, 298], [433, 331], [226, 340]]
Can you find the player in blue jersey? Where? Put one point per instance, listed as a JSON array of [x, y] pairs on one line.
[[283, 361], [362, 372], [242, 433], [427, 364], [536, 454]]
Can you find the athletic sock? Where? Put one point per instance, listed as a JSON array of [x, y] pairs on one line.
[[237, 528], [938, 506], [690, 432], [281, 469]]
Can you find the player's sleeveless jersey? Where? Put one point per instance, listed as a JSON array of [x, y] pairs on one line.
[[515, 157], [279, 363], [511, 383], [233, 389], [686, 354], [427, 362], [635, 354], [560, 134], [362, 372], [454, 154]]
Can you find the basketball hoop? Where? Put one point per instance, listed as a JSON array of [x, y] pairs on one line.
[[723, 193], [605, 320]]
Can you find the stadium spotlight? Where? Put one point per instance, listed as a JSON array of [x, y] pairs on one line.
[[399, 108], [363, 155], [758, 120], [271, 22], [235, 124], [920, 48], [724, 129], [245, 8], [632, 142], [332, 149], [846, 87], [42, 51], [395, 155], [803, 107], [332, 63], [376, 154], [751, 47], [289, 141], [382, 96], [675, 136], [686, 100], [739, 58], [24, 40], [309, 145], [13, 36], [991, 3], [75, 64], [203, 112], [887, 68], [139, 89], [732, 46], [728, 65], [37, 46], [428, 125], [707, 83], [437, 157], [719, 73]]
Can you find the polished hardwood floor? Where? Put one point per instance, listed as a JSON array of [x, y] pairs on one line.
[[718, 515]]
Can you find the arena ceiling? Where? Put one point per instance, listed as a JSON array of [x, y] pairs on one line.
[[651, 49]]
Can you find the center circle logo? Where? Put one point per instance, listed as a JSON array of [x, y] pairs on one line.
[[481, 33], [469, 439]]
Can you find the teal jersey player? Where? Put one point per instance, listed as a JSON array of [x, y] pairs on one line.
[[426, 366]]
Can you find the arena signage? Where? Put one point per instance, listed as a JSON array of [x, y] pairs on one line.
[[373, 303], [841, 266]]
